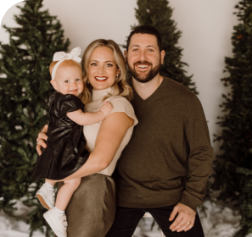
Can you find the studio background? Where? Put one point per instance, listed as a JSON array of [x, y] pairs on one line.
[[206, 27], [206, 36]]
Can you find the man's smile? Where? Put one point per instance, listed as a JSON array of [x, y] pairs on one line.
[[142, 66]]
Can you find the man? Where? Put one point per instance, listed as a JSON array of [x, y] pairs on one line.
[[165, 167]]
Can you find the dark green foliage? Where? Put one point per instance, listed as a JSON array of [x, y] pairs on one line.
[[245, 200], [236, 123], [24, 89], [158, 14]]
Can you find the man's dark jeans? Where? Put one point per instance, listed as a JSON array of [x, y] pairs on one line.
[[126, 221]]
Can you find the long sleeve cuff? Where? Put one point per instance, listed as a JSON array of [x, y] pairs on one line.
[[190, 201]]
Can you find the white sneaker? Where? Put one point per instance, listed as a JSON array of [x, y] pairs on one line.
[[46, 196], [57, 222]]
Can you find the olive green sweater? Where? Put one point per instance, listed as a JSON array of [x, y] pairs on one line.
[[169, 157]]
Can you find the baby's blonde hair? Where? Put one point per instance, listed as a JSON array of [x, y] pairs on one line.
[[65, 63], [121, 86]]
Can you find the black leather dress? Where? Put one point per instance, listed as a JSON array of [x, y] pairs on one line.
[[66, 147]]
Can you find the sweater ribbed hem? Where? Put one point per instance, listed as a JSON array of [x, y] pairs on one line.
[[156, 199], [190, 201]]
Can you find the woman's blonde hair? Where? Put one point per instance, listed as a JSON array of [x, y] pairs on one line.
[[121, 86]]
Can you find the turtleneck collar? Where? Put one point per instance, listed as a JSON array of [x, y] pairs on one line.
[[100, 94]]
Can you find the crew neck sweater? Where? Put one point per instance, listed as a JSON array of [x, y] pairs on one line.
[[169, 157]]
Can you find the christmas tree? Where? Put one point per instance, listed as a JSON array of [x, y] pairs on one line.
[[235, 160], [24, 89], [158, 14], [245, 200]]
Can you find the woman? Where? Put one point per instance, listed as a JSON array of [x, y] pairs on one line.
[[91, 210]]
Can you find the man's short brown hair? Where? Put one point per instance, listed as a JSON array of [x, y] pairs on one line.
[[146, 29]]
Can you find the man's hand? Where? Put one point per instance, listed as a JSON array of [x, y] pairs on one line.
[[185, 219], [42, 137]]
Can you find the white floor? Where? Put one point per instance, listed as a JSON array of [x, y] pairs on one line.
[[216, 222]]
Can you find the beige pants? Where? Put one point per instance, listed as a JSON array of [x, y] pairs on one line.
[[92, 208]]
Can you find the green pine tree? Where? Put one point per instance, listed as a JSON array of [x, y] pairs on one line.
[[158, 14], [236, 123], [245, 200], [24, 89]]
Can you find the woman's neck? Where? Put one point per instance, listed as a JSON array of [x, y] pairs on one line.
[[100, 94]]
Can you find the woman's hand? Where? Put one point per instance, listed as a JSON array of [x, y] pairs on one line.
[[42, 137], [111, 133]]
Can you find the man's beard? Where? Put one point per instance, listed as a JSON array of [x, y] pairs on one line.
[[146, 77]]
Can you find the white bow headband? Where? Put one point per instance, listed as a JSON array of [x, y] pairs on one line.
[[62, 56]]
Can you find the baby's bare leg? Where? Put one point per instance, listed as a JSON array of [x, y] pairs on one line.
[[51, 182], [65, 193]]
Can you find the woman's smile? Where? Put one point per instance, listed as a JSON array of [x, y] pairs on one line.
[[101, 78]]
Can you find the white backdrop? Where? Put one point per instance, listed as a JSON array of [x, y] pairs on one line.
[[206, 26]]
